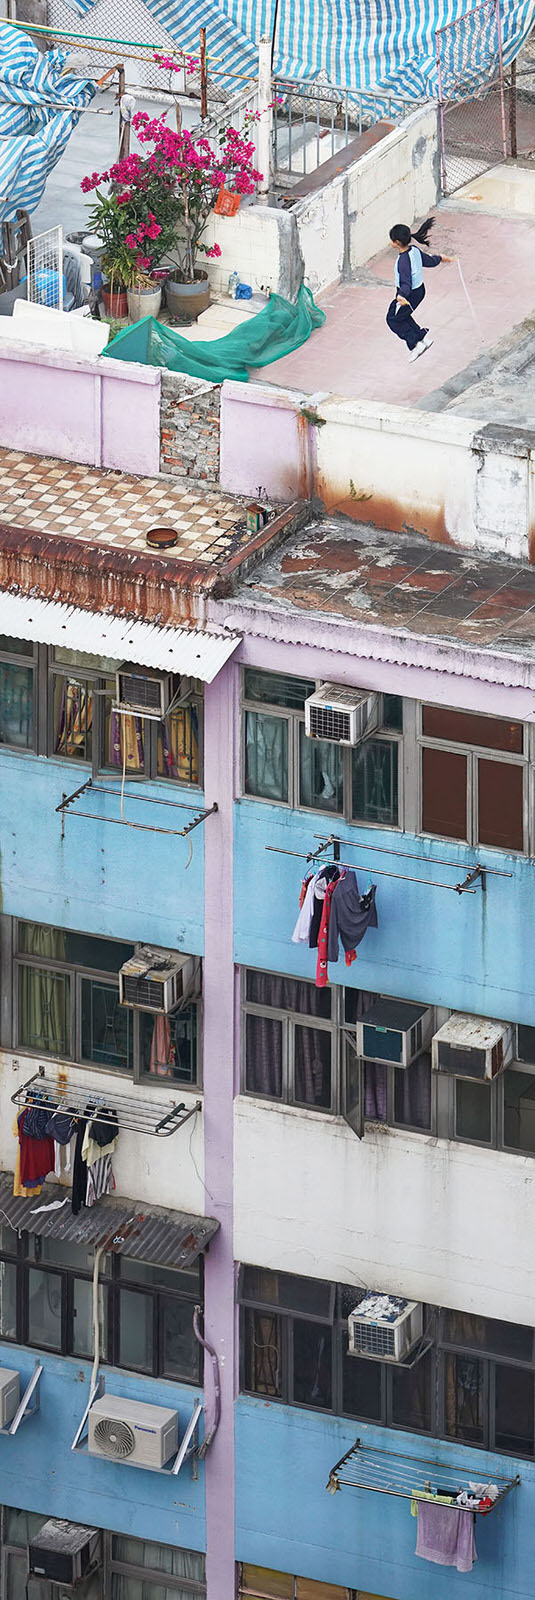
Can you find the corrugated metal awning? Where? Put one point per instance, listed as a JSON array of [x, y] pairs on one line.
[[196, 652], [170, 1238]]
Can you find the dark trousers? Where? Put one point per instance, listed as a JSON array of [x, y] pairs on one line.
[[401, 321]]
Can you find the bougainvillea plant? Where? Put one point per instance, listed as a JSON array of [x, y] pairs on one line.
[[160, 202]]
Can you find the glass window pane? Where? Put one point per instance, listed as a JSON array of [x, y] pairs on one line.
[[80, 658], [500, 804], [375, 781], [362, 1384], [275, 689], [169, 1045], [488, 1334], [288, 994], [64, 1253], [107, 1027], [123, 739], [82, 1340], [73, 718], [21, 1526], [17, 1572], [266, 756], [44, 1308], [39, 939], [411, 1395], [136, 1347], [444, 793], [467, 727], [180, 1348], [375, 1091], [312, 1067], [526, 1043], [464, 1398], [16, 647], [287, 1290], [165, 1558], [262, 1353], [514, 1413], [185, 1280], [178, 745], [412, 1094], [16, 705], [519, 1111], [473, 1111], [356, 1003], [263, 1056], [104, 955], [8, 1300], [393, 712], [44, 1011], [320, 773], [262, 1581], [312, 1364]]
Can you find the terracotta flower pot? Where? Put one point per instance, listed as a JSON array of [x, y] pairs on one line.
[[227, 203], [115, 301], [187, 300]]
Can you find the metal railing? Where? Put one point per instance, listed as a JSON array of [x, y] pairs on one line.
[[312, 122]]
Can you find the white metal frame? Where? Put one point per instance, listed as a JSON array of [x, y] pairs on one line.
[[24, 1410], [184, 1452]]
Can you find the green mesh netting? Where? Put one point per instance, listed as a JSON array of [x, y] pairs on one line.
[[276, 330]]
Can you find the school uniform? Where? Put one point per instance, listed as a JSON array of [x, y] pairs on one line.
[[409, 282]]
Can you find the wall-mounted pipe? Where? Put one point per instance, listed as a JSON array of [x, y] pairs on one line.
[[205, 1446]]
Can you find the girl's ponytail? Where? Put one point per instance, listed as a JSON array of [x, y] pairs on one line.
[[422, 236]]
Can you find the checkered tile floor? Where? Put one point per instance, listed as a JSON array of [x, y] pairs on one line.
[[111, 509]]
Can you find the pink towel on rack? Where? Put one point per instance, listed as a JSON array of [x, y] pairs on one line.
[[446, 1536]]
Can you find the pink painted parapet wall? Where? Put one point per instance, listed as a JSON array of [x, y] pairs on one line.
[[86, 409]]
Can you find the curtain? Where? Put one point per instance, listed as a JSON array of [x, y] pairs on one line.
[[312, 1066], [126, 732], [263, 1352], [44, 997], [263, 1047], [375, 1091], [162, 1052], [266, 756], [158, 1558], [412, 1093], [178, 746], [74, 719], [321, 773]]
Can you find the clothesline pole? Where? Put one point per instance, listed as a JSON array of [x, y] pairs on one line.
[[380, 872], [383, 850]]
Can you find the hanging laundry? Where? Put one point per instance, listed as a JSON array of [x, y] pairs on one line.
[[446, 1536], [61, 1128], [100, 1180], [329, 874], [36, 1152], [302, 926], [323, 938], [350, 917], [96, 1140]]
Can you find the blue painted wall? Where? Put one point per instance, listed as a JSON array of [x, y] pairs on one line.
[[100, 878], [286, 1520], [40, 1472], [467, 952]]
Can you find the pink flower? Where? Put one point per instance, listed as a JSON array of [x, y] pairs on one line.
[[143, 261], [131, 242], [214, 250], [122, 199]]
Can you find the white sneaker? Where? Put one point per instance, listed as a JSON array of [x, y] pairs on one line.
[[418, 351], [427, 342]]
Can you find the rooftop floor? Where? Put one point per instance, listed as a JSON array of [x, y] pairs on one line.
[[354, 353]]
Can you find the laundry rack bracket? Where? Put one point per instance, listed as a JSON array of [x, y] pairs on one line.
[[394, 1473], [136, 1116]]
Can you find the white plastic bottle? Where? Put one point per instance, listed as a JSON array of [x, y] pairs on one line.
[[233, 284]]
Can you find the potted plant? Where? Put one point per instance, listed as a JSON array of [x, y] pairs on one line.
[[135, 234]]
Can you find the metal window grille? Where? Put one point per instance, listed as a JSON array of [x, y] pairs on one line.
[[45, 269]]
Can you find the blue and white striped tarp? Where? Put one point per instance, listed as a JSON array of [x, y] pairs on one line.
[[357, 44], [38, 111]]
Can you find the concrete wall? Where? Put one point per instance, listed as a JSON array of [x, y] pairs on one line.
[[189, 428], [286, 1520], [449, 477], [99, 411], [260, 243], [343, 225]]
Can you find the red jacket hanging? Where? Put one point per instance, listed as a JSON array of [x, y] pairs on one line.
[[323, 937]]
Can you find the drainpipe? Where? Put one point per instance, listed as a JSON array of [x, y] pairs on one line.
[[265, 121], [205, 1446]]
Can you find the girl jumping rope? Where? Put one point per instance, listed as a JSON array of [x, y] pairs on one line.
[[409, 284]]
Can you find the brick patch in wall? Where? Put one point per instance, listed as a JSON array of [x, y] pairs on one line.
[[189, 428]]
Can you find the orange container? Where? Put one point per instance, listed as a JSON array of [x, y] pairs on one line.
[[227, 203]]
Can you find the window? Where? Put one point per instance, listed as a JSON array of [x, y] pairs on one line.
[[145, 1311], [299, 1047], [263, 1584], [66, 1004], [18, 660], [132, 1569], [474, 778], [76, 692], [473, 1378], [281, 764]]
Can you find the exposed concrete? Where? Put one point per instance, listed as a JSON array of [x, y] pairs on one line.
[[189, 428]]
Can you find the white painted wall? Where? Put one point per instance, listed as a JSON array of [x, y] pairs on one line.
[[343, 225], [257, 243], [446, 1223], [160, 1172]]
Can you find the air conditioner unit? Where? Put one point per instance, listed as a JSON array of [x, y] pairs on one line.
[[394, 1030], [385, 1327], [143, 692], [473, 1047], [340, 715], [9, 1395], [157, 980], [63, 1552], [130, 1431]]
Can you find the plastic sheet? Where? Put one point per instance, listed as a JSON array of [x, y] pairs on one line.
[[274, 332]]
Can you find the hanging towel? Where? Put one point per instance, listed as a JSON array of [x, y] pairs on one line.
[[446, 1536], [302, 926]]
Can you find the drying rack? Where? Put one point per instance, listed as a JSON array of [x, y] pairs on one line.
[[138, 1116], [477, 874], [391, 1472], [67, 800]]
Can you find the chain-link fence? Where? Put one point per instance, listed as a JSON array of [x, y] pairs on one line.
[[472, 96]]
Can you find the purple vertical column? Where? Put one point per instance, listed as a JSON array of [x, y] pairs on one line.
[[221, 746]]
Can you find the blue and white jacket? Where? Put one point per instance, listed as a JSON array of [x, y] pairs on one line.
[[408, 271]]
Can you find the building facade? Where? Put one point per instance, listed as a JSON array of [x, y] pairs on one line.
[[311, 1169]]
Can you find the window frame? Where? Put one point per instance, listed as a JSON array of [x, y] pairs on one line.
[[291, 1020], [474, 754], [440, 1348], [77, 973], [295, 719], [110, 1288], [112, 1565], [32, 662]]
